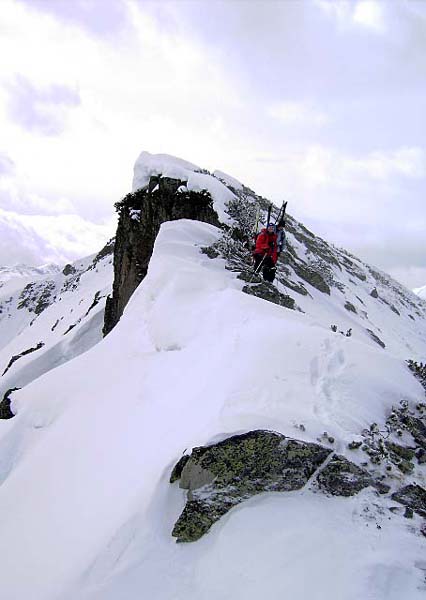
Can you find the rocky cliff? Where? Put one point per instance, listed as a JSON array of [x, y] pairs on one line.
[[140, 216]]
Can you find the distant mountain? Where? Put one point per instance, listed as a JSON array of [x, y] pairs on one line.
[[16, 277], [48, 315]]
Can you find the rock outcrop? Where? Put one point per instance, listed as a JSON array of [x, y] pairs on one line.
[[141, 215], [5, 410], [412, 496], [268, 292], [223, 475]]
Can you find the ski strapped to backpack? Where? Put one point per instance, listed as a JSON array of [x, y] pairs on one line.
[[281, 213], [279, 226]]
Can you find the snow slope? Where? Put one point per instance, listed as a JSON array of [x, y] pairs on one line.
[[191, 361], [16, 277], [62, 310], [421, 292]]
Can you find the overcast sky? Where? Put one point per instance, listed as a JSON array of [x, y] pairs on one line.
[[321, 103]]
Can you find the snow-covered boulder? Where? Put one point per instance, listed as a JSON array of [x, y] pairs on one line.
[[221, 476]]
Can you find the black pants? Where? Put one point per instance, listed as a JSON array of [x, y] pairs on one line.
[[267, 265]]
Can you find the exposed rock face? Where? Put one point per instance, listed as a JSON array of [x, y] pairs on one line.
[[376, 338], [5, 410], [350, 307], [268, 292], [414, 497], [223, 475], [141, 215], [380, 445], [343, 478], [68, 270], [36, 297], [104, 252]]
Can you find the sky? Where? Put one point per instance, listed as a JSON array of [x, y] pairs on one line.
[[320, 103]]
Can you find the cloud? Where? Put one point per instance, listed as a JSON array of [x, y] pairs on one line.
[[369, 14], [403, 257], [377, 165], [7, 166], [36, 240], [43, 110], [365, 14], [105, 17], [335, 111], [318, 165], [297, 113], [17, 196]]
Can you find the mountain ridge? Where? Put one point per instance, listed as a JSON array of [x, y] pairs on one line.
[[88, 464]]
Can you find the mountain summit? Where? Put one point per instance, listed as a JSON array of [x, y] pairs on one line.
[[275, 431]]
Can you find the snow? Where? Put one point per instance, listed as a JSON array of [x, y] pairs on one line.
[[166, 165], [148, 165], [228, 180], [192, 360], [15, 278], [68, 326], [421, 292], [404, 334], [267, 546]]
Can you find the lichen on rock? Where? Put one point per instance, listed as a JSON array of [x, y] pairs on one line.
[[341, 477], [225, 474], [268, 292], [220, 476]]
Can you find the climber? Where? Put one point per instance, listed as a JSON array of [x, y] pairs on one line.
[[265, 254]]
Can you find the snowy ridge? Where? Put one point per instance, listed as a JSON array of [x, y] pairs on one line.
[[335, 287], [7, 273], [191, 361], [86, 460], [228, 180]]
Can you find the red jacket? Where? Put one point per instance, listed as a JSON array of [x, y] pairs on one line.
[[266, 243]]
